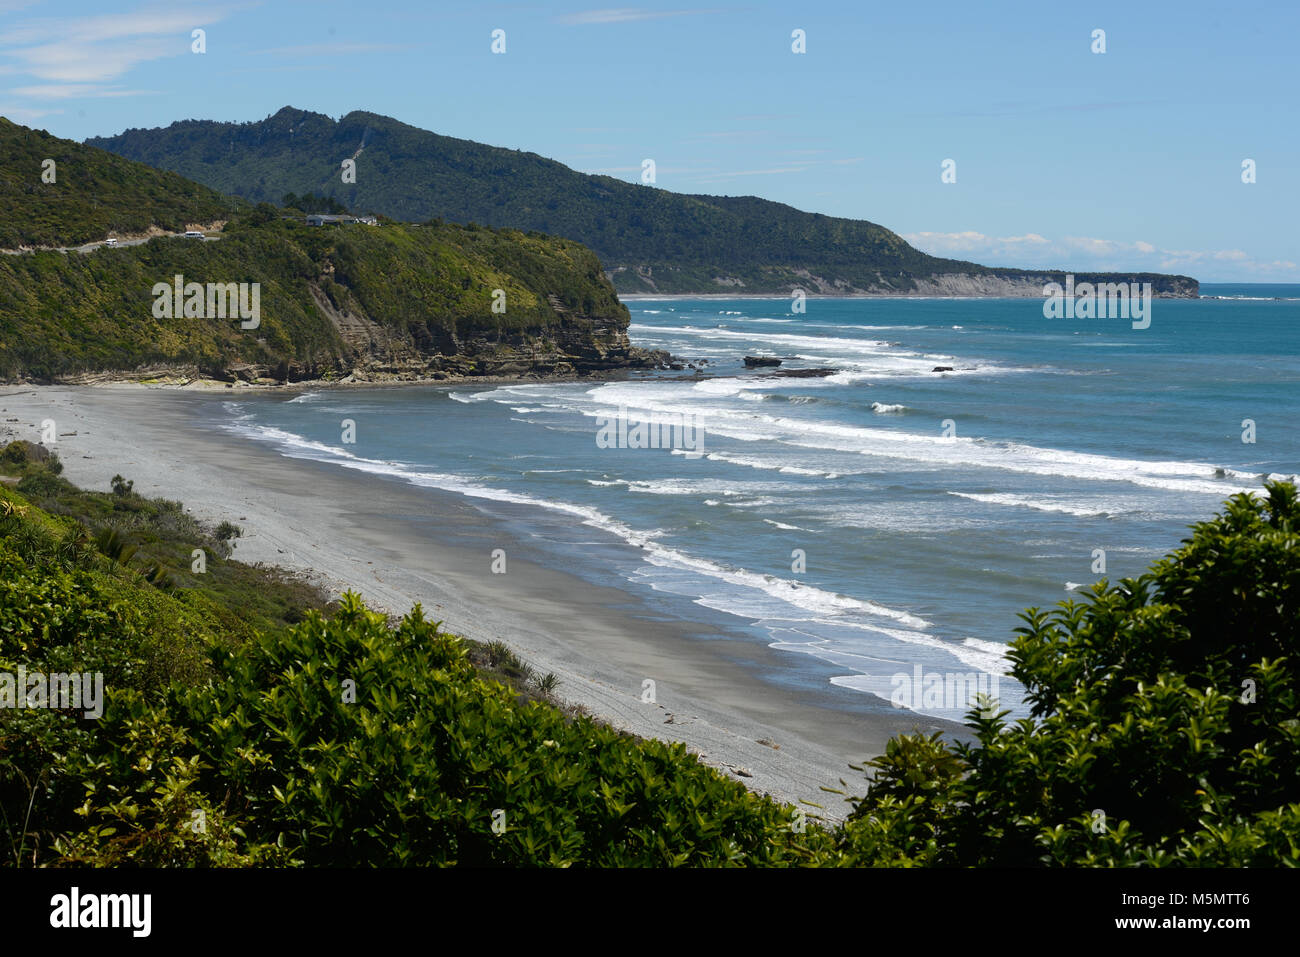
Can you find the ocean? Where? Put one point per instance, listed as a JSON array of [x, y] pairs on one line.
[[882, 517]]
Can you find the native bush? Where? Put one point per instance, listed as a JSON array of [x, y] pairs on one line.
[[353, 743], [1165, 723], [1164, 730]]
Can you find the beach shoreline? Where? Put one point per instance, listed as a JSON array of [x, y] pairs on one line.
[[189, 380], [397, 544]]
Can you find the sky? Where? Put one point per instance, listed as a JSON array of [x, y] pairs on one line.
[[1064, 157]]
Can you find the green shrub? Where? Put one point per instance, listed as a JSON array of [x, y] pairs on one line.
[[1165, 723], [412, 769], [15, 453], [41, 483]]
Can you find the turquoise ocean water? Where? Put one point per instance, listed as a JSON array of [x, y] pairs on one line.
[[879, 518]]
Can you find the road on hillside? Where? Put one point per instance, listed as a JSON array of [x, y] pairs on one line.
[[91, 247]]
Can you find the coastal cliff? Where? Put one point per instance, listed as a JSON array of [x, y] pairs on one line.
[[366, 303], [1009, 284], [975, 282]]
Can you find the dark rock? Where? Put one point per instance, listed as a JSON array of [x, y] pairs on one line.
[[942, 369], [244, 372], [752, 361], [803, 373]]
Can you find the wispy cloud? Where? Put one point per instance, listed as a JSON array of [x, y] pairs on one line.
[[25, 114], [99, 49], [69, 91], [624, 15]]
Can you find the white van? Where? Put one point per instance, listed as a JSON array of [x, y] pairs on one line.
[[193, 234], [110, 241]]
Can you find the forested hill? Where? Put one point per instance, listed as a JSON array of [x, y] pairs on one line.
[[649, 239], [56, 192], [375, 302]]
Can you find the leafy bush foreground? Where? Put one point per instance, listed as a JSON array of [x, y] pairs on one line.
[[1165, 730]]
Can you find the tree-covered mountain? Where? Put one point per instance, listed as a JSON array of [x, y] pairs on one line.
[[379, 302], [56, 192], [649, 239]]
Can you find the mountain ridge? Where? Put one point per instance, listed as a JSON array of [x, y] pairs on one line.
[[649, 240]]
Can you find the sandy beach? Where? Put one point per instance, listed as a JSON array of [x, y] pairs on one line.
[[397, 545]]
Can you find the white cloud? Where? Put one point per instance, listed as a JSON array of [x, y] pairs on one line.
[[73, 62], [66, 91], [947, 244], [24, 114], [99, 49]]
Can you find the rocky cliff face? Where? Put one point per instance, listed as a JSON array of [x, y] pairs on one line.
[[1030, 285], [988, 284], [572, 344], [370, 303], [579, 347]]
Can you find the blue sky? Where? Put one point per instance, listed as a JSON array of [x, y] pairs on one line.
[[1129, 159]]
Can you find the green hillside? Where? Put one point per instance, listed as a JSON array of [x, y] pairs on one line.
[[393, 301], [93, 193], [649, 239], [386, 301]]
